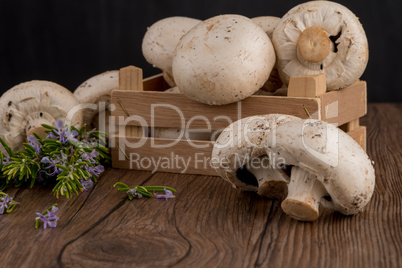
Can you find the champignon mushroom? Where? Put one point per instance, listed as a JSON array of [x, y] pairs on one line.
[[268, 24], [241, 157], [222, 60], [25, 107], [96, 90], [160, 42], [321, 37], [328, 168]]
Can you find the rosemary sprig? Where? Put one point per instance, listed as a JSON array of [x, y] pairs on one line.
[[139, 191], [48, 217], [7, 204], [67, 158]]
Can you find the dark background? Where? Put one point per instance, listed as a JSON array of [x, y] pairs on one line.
[[68, 41]]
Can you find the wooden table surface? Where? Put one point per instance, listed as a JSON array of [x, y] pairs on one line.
[[210, 224]]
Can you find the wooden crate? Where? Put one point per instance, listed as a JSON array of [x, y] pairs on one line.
[[139, 101]]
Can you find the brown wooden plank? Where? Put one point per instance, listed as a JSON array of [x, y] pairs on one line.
[[359, 135], [307, 86], [190, 157], [342, 106], [130, 78], [176, 109]]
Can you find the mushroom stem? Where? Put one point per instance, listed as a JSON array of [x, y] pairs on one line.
[[304, 195], [313, 44], [35, 122], [271, 180]]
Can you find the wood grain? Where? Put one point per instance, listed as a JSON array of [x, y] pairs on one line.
[[161, 109], [210, 224], [342, 106], [307, 86], [181, 156]]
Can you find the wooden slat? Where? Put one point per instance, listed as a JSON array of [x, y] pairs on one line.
[[175, 104], [155, 83], [359, 135], [307, 86], [130, 79], [342, 106], [182, 157], [197, 159]]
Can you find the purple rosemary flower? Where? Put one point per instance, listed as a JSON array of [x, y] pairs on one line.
[[35, 143], [90, 156], [70, 135], [5, 203], [132, 193], [49, 218], [6, 160], [56, 170], [96, 171], [60, 131], [86, 184], [168, 194], [51, 136]]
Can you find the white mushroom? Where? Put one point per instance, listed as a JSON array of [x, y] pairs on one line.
[[268, 24], [160, 42], [241, 157], [321, 37], [328, 168], [223, 60], [97, 90], [25, 107]]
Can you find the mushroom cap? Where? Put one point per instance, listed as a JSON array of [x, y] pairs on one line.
[[325, 151], [222, 60], [37, 100], [348, 51], [161, 39], [267, 23], [97, 89], [242, 141]]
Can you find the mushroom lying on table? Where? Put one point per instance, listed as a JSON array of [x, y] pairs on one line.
[[241, 157], [222, 60], [326, 165], [328, 168], [160, 41], [321, 37], [25, 107]]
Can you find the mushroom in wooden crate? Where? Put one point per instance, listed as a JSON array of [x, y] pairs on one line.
[[274, 82], [321, 37], [160, 41], [222, 60], [25, 107]]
